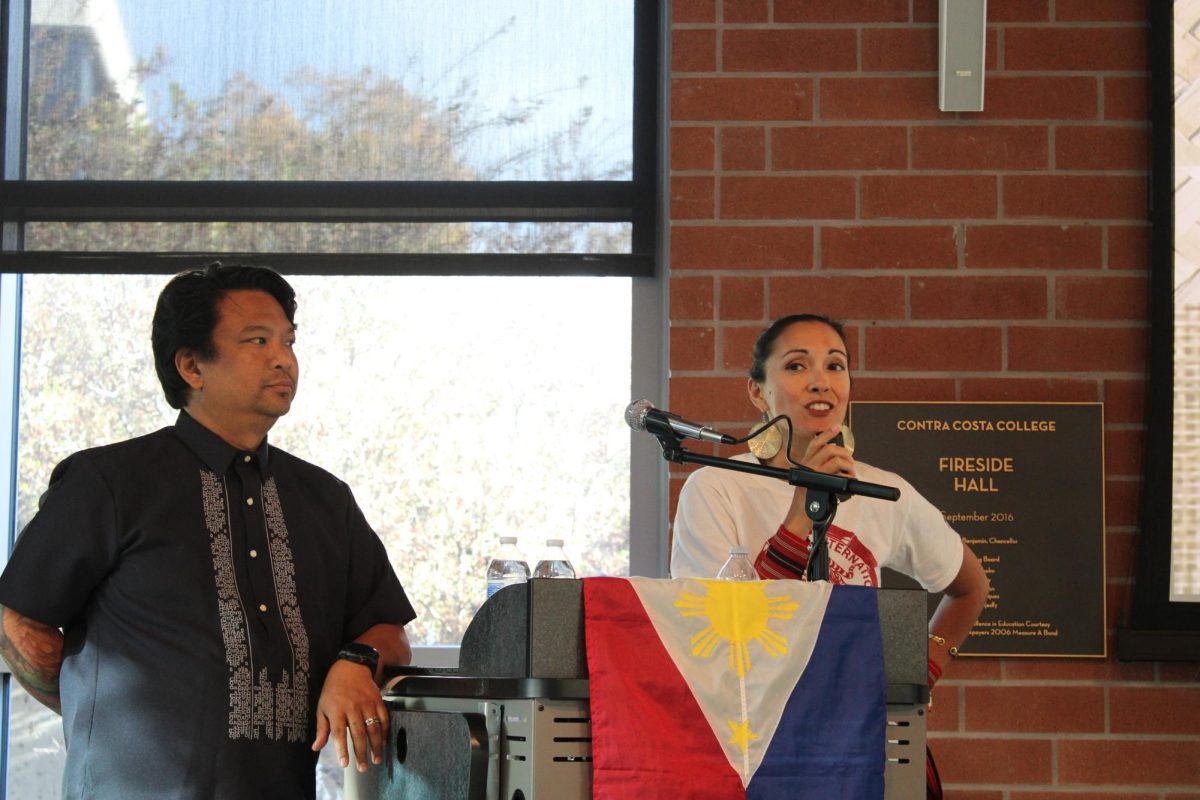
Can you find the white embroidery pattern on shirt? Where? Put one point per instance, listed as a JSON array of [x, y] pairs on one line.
[[258, 707], [291, 696]]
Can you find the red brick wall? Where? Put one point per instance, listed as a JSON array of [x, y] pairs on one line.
[[1000, 255]]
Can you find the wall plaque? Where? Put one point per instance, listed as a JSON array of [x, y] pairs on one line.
[[1023, 484]]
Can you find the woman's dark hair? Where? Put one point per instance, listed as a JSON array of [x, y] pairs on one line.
[[766, 340], [186, 315]]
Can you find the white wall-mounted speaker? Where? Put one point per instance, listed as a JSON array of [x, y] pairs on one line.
[[962, 35]]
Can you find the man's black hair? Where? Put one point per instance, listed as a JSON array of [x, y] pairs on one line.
[[186, 315]]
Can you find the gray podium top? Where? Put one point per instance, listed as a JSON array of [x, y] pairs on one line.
[[535, 630]]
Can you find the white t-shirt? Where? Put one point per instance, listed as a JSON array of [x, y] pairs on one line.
[[720, 508]]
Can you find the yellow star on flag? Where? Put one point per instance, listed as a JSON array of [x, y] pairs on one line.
[[742, 735]]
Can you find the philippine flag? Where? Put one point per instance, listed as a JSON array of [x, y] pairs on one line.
[[728, 689]]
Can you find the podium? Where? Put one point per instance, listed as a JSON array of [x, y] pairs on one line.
[[512, 722]]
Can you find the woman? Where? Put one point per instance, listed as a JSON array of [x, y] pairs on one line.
[[801, 368]]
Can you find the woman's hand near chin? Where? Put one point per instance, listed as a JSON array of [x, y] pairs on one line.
[[821, 455], [824, 455]]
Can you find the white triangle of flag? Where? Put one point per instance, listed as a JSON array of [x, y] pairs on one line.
[[741, 646]]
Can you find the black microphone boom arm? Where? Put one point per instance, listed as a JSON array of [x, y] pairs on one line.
[[796, 476]]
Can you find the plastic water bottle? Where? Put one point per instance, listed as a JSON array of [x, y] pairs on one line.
[[506, 567], [737, 567], [554, 563]]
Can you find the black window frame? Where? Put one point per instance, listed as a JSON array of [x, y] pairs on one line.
[[634, 201]]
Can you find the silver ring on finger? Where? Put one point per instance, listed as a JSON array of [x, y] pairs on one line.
[[369, 721]]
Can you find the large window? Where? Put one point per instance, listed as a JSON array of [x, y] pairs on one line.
[[458, 409], [299, 90], [464, 195]]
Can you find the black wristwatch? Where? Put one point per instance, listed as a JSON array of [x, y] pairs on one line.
[[360, 653]]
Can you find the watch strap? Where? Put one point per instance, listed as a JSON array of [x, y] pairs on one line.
[[360, 653]]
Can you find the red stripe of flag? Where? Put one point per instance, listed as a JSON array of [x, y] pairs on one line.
[[649, 738]]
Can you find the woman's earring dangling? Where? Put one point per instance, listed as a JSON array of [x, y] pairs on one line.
[[766, 442], [847, 437]]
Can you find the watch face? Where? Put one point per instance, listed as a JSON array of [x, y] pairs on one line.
[[360, 649]]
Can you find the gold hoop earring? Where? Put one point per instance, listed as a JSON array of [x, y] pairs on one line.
[[765, 442]]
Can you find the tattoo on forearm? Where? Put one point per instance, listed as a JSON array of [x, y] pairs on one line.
[[34, 654]]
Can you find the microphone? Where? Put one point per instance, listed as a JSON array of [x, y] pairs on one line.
[[641, 415]]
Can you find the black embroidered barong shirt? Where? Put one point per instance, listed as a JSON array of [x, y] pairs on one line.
[[203, 592]]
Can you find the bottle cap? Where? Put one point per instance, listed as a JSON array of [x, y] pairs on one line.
[[738, 551], [554, 543], [508, 540]]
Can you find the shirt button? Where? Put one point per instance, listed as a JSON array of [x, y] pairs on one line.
[[246, 459], [249, 501], [254, 554], [263, 607]]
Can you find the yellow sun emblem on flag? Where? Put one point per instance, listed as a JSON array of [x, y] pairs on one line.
[[737, 613]]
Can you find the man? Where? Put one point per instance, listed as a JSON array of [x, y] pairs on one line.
[[207, 609]]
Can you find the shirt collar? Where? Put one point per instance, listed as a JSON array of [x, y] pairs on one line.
[[212, 449]]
